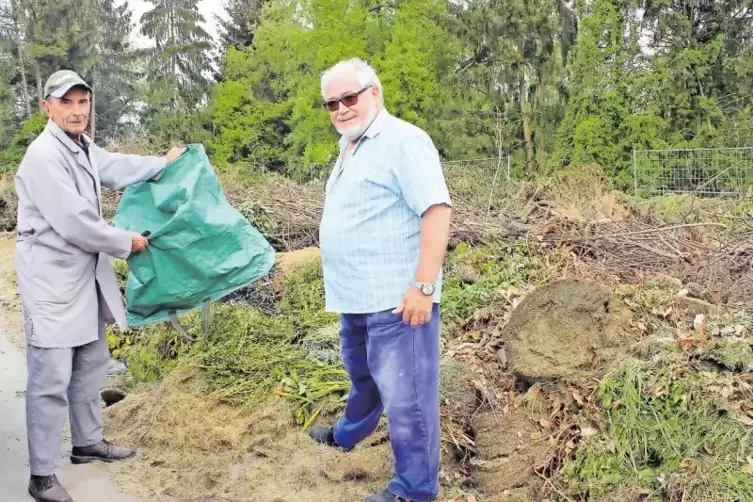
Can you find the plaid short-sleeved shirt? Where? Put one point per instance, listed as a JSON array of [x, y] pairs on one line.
[[370, 229]]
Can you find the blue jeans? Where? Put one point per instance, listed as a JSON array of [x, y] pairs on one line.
[[395, 367]]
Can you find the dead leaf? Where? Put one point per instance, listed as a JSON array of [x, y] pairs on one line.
[[545, 423], [744, 419], [578, 398], [703, 338], [685, 464], [686, 342]]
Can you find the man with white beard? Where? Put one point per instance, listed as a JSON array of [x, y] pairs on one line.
[[383, 239]]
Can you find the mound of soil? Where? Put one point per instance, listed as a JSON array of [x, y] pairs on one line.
[[457, 391], [508, 446], [564, 330]]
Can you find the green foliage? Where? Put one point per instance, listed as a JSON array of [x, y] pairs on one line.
[[247, 127], [151, 353], [549, 83], [322, 345], [11, 156], [268, 108], [7, 99], [176, 68], [732, 355], [661, 420], [610, 111], [246, 353], [121, 273], [476, 276], [316, 388], [303, 298]]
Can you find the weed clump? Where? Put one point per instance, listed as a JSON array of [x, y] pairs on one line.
[[665, 429], [732, 355], [323, 345], [476, 276], [245, 353], [303, 299]]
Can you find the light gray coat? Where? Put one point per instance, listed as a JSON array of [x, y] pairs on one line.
[[63, 248]]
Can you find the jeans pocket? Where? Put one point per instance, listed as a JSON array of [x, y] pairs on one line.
[[384, 318]]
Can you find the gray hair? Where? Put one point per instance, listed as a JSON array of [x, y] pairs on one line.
[[364, 73]]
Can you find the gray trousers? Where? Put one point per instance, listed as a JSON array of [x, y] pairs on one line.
[[61, 380]]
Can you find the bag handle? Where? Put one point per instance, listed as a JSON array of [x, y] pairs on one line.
[[205, 314]]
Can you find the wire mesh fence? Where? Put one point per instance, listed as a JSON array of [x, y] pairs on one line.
[[475, 178], [702, 171]]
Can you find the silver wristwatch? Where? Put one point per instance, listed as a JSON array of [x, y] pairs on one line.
[[425, 288]]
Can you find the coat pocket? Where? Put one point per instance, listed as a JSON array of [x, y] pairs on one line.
[[58, 278]]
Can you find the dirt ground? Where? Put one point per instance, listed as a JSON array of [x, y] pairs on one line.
[[10, 306]]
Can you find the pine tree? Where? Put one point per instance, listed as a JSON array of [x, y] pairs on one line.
[[114, 75], [180, 59], [244, 18]]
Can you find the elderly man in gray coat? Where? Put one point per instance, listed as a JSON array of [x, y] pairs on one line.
[[65, 279]]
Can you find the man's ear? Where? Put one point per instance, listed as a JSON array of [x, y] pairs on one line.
[[45, 107]]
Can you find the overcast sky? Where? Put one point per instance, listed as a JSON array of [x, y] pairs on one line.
[[207, 8]]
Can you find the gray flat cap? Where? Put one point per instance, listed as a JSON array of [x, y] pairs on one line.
[[63, 81]]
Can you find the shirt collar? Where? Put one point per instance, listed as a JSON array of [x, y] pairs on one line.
[[61, 135], [374, 128]]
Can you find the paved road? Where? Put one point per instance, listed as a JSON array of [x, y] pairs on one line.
[[86, 483]]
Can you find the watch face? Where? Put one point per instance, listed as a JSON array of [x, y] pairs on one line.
[[427, 289]]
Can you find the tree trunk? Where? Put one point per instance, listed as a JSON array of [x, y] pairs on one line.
[[19, 45], [527, 134], [40, 85], [93, 115], [540, 132]]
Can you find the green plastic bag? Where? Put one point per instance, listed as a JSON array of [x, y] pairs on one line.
[[200, 247]]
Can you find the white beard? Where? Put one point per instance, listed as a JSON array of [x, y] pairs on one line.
[[352, 133]]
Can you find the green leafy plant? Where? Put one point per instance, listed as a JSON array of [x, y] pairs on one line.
[[314, 387]]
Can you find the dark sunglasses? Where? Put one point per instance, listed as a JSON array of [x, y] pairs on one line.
[[348, 100]]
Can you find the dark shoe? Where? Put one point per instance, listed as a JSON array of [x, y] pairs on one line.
[[102, 451], [323, 435], [48, 489], [386, 496]]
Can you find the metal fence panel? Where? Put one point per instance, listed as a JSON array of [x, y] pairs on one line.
[[700, 171], [463, 176]]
